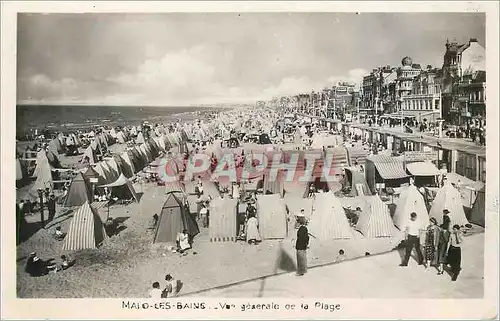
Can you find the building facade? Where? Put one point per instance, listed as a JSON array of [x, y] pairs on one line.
[[424, 100], [472, 98], [460, 61], [340, 100]]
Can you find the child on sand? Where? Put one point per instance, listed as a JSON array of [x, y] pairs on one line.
[[341, 257], [155, 292], [170, 287]]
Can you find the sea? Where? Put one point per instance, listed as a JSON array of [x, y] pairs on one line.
[[66, 118]]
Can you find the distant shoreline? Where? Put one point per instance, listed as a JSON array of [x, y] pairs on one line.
[[73, 117]]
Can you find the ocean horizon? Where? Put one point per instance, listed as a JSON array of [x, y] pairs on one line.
[[72, 117]]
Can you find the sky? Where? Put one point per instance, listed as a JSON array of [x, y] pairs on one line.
[[180, 59]]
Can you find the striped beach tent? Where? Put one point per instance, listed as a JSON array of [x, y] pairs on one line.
[[86, 230], [329, 221], [222, 226], [376, 220], [271, 213]]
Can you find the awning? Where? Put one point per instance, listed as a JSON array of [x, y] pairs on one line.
[[391, 170], [422, 169]]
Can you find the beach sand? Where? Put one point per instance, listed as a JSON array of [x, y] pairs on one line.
[[128, 263]]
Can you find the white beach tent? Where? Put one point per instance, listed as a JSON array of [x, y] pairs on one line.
[[128, 161], [89, 152], [329, 221], [120, 137], [140, 138], [113, 134], [375, 220], [448, 197], [102, 170], [410, 200]]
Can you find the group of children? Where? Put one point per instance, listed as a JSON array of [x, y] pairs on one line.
[[171, 288]]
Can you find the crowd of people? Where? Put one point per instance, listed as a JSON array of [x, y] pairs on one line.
[[442, 244]]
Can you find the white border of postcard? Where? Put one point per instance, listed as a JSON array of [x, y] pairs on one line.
[[13, 308]]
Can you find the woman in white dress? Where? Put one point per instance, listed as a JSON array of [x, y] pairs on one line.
[[253, 235]]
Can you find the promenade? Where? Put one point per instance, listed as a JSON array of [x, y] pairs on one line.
[[374, 277], [460, 144]]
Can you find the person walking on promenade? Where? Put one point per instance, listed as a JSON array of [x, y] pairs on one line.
[[431, 242], [444, 239], [51, 206], [301, 246], [412, 237], [455, 251], [40, 199]]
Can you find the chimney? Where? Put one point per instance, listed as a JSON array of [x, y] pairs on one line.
[[473, 40]]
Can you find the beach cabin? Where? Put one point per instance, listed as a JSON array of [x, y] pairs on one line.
[[383, 171]]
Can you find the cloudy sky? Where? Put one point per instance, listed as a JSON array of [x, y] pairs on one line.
[[194, 58]]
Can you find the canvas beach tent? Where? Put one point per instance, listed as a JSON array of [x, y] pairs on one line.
[[448, 197], [122, 188], [111, 174], [121, 138], [43, 174], [90, 173], [338, 159], [21, 171], [53, 159], [375, 220], [90, 153], [128, 166], [102, 170], [295, 204], [274, 185], [123, 166], [56, 146], [358, 155], [113, 165], [385, 169], [79, 192], [140, 138], [329, 221], [112, 132], [478, 212], [175, 187], [174, 218], [357, 182], [222, 227], [272, 216], [86, 230], [410, 200]]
